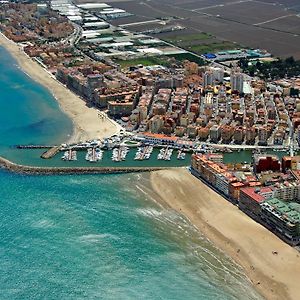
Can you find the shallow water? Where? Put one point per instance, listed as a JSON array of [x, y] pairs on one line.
[[92, 237], [29, 113], [95, 237]]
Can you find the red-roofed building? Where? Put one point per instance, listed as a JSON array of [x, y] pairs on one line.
[[286, 163], [223, 181], [251, 198], [255, 184], [234, 190], [156, 138], [267, 163]]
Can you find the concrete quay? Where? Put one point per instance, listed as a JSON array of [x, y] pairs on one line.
[[50, 152]]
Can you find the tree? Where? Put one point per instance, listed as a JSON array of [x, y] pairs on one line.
[[290, 60]]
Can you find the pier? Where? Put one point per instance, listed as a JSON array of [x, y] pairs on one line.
[[51, 152], [33, 146]]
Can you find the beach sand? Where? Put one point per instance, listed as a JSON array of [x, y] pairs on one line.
[[87, 123], [275, 276]]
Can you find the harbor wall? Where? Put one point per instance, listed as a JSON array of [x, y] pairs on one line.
[[16, 168]]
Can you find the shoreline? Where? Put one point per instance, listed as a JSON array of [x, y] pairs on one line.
[[86, 123], [248, 243], [245, 241]]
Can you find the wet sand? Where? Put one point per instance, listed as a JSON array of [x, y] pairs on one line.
[[87, 123], [275, 276]]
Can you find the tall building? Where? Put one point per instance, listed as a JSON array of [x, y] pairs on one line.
[[262, 136], [213, 75], [218, 74], [238, 135], [156, 124], [237, 81], [208, 78], [94, 81], [250, 135], [251, 199], [215, 133]]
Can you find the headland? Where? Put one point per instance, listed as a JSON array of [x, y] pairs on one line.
[[271, 265]]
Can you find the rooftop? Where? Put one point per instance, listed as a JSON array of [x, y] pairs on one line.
[[257, 193], [160, 136], [288, 211]]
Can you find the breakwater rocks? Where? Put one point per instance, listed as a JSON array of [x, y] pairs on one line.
[[12, 167]]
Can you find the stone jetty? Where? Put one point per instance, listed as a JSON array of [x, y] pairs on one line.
[[50, 152], [16, 168]]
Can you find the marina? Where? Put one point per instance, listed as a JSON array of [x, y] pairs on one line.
[[119, 154], [69, 155], [165, 154], [132, 150], [32, 157], [123, 150], [143, 153], [94, 155]]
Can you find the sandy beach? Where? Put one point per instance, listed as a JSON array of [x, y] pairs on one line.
[[275, 276], [87, 123]]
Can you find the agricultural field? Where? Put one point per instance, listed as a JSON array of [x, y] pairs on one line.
[[199, 43], [269, 24], [289, 4], [212, 48], [196, 4], [140, 9], [129, 20], [246, 12], [289, 24], [188, 38]]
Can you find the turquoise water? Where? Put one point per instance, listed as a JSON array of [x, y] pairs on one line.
[[93, 237], [29, 114]]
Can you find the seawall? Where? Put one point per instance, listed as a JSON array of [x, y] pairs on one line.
[[21, 169]]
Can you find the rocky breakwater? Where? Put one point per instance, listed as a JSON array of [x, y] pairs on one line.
[[16, 168]]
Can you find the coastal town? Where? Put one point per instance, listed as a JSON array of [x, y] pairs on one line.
[[208, 103], [267, 190], [199, 105], [212, 128]]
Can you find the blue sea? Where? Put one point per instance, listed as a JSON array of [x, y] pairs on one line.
[[92, 237]]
